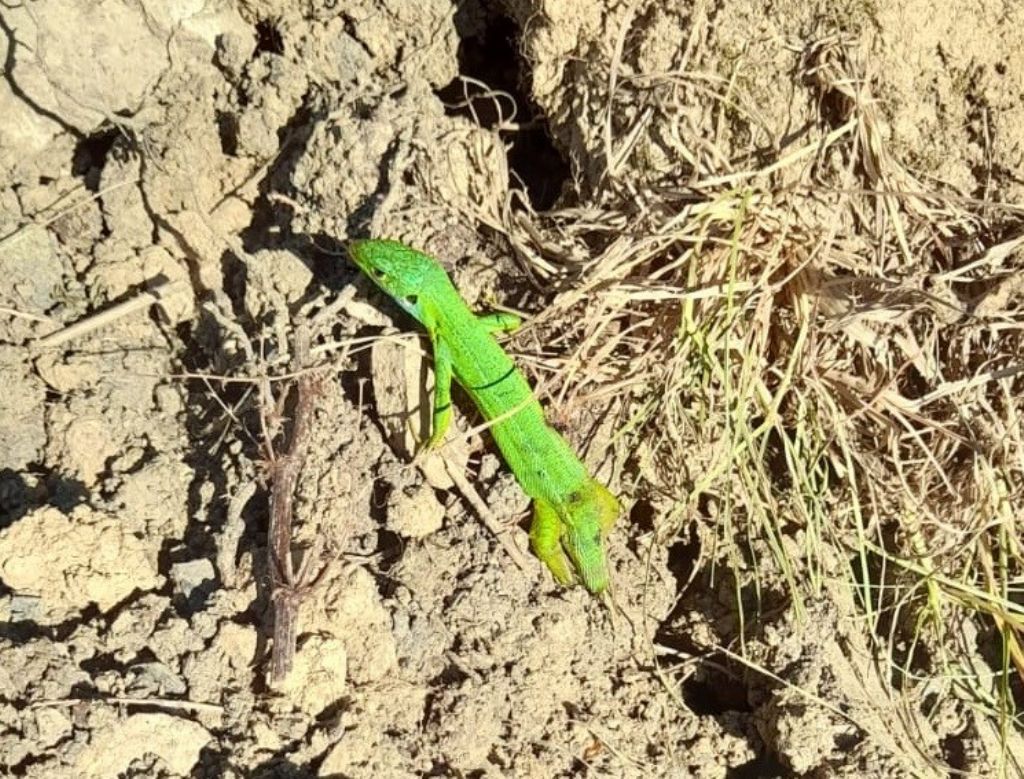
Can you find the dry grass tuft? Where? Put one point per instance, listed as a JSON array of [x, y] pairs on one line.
[[819, 359]]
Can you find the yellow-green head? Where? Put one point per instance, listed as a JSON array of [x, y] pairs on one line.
[[400, 271]]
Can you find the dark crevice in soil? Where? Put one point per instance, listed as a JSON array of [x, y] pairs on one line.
[[99, 664], [227, 129], [112, 477], [710, 691], [641, 516], [275, 768], [358, 223], [14, 497], [774, 450], [451, 676], [954, 752], [23, 631], [268, 39], [390, 548], [23, 767], [325, 255], [491, 55], [90, 156], [235, 272], [683, 554], [52, 488]]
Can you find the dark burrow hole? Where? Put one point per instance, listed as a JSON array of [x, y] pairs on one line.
[[954, 752], [490, 54], [711, 691], [641, 516], [227, 129], [268, 39], [683, 554], [390, 547], [90, 156]]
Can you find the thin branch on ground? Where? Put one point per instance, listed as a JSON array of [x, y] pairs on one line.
[[288, 585]]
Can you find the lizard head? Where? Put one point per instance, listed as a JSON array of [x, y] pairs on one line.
[[399, 270], [590, 515]]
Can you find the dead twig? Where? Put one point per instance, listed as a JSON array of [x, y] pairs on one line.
[[162, 703], [288, 586], [143, 300]]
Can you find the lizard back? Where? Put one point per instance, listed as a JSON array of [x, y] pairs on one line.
[[543, 463]]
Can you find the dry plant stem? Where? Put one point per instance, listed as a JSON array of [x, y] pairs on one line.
[[163, 703], [139, 302], [288, 586], [13, 312]]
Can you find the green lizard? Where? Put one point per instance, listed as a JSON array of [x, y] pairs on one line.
[[572, 513]]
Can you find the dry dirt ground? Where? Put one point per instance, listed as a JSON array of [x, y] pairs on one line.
[[202, 163]]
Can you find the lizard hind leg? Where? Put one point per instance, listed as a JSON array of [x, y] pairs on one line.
[[546, 541], [607, 506], [591, 512]]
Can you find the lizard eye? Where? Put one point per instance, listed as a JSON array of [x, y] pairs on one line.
[[411, 299], [378, 273]]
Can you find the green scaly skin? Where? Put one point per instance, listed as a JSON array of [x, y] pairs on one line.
[[572, 513]]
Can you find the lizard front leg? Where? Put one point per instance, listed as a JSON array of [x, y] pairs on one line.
[[546, 541], [442, 392]]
